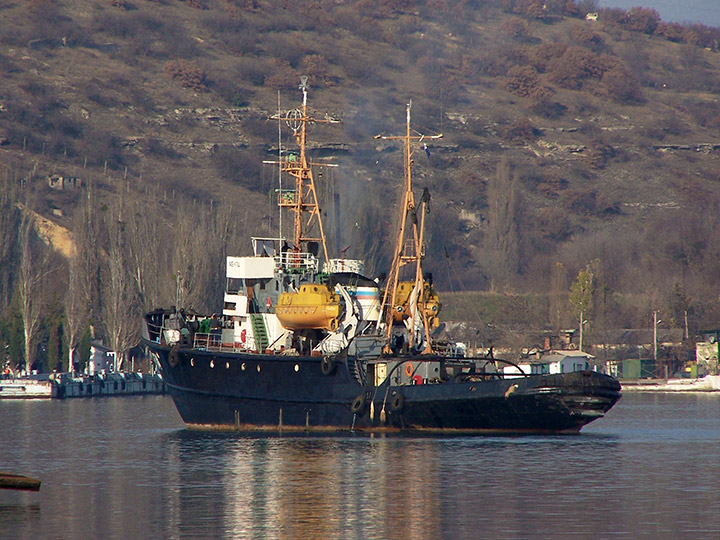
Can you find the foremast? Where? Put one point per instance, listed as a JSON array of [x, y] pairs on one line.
[[409, 248], [303, 200]]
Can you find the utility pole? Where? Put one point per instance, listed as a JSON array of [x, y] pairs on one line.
[[656, 321], [581, 331]]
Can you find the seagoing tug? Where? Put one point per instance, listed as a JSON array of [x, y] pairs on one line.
[[306, 342]]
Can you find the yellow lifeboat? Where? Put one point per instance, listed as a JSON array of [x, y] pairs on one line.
[[430, 306], [314, 306]]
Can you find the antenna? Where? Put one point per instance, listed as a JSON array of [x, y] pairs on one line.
[[280, 168]]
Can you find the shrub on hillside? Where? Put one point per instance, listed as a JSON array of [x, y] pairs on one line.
[[516, 28], [583, 35], [622, 85], [550, 185], [285, 77], [528, 8], [520, 131], [640, 19], [578, 64], [562, 8], [317, 69], [187, 74], [597, 154], [541, 56], [523, 81], [612, 16], [670, 31], [548, 108], [553, 223]]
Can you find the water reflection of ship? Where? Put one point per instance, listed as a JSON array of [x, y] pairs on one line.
[[300, 488]]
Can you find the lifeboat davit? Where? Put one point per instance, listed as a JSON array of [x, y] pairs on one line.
[[314, 306]]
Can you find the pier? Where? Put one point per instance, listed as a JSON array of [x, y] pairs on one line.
[[67, 385]]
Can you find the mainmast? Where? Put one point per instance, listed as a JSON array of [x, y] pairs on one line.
[[303, 200], [410, 239]]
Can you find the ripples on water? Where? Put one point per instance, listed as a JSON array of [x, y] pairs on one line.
[[125, 468]]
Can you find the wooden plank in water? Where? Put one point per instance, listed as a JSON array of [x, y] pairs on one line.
[[19, 482]]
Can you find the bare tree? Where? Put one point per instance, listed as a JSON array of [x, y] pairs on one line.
[[502, 245], [9, 222], [558, 296], [78, 301], [149, 254], [31, 283], [119, 306], [202, 233]]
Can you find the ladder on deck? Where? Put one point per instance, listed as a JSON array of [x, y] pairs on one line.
[[262, 341]]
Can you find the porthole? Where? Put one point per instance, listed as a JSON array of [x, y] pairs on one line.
[[212, 364], [192, 362], [227, 365], [297, 367], [242, 366], [258, 368]]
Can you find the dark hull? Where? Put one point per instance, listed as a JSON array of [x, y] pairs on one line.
[[245, 391]]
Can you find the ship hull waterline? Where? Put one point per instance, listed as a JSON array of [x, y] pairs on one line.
[[266, 392]]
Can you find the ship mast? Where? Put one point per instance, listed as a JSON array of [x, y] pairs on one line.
[[410, 239], [303, 201]]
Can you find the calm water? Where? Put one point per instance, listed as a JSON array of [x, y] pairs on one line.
[[126, 468], [682, 11]]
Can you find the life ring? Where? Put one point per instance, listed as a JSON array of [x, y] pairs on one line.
[[243, 336], [358, 405], [174, 356], [327, 366], [397, 402], [409, 369]]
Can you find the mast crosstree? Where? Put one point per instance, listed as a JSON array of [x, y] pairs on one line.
[[302, 201]]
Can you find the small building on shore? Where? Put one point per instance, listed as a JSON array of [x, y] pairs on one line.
[[549, 362], [102, 359]]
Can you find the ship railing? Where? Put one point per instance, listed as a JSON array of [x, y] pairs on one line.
[[296, 261], [155, 331], [214, 343]]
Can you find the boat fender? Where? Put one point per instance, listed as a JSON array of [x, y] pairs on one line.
[[174, 356], [358, 405], [409, 369], [327, 366], [397, 402]]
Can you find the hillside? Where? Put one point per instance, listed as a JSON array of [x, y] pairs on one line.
[[610, 129]]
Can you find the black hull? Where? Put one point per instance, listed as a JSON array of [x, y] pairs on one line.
[[246, 391]]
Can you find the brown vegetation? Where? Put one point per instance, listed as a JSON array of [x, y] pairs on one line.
[[607, 125], [187, 74]]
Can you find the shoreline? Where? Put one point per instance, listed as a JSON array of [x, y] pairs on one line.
[[708, 383]]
